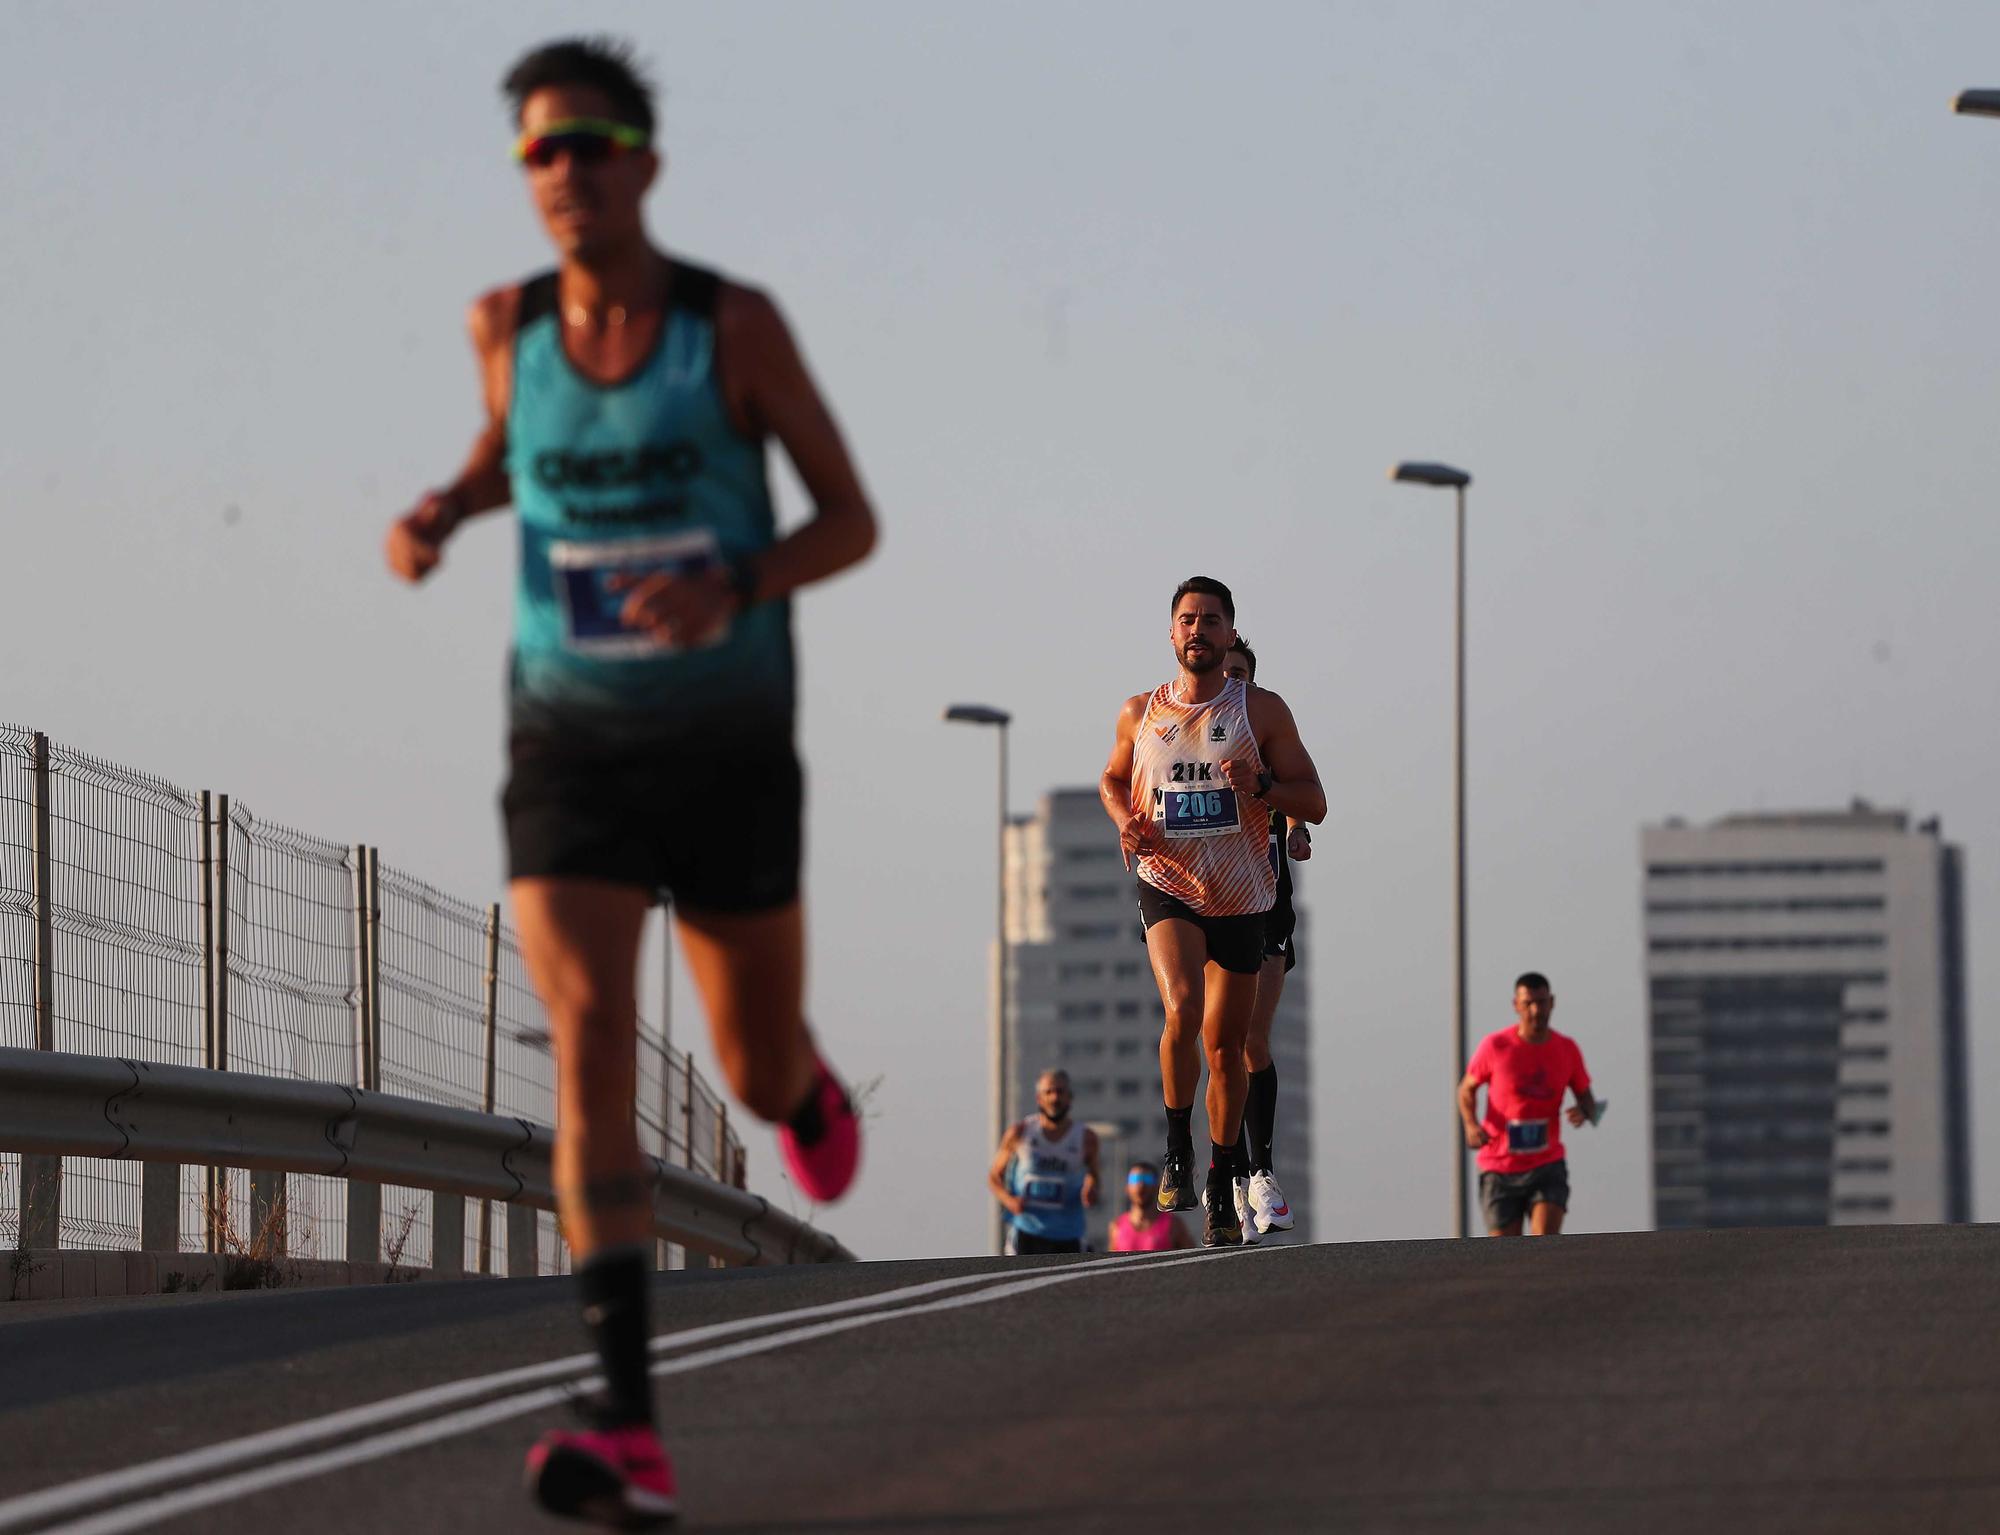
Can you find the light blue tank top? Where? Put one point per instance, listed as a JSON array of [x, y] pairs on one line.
[[1048, 1175], [633, 477]]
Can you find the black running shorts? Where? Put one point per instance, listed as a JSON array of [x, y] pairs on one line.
[[1234, 943], [1506, 1197], [718, 832], [1280, 922], [1023, 1244]]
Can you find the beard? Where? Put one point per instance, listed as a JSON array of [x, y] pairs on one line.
[[1207, 659]]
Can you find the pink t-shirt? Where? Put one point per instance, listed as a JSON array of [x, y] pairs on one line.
[[1157, 1236], [1524, 1096]]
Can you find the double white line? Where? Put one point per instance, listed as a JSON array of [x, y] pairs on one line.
[[415, 1414]]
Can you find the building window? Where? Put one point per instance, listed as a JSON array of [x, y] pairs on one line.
[[1801, 903], [1764, 870], [1863, 1127], [1088, 931], [1077, 1012], [1872, 1205], [1080, 970], [1126, 969], [1803, 941], [1130, 1046], [1128, 1010], [1129, 1087], [1862, 1165]]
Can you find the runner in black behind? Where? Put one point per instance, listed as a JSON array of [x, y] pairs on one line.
[[630, 398], [1260, 1204]]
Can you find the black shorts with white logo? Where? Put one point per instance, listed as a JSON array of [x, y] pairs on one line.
[[1280, 923], [1234, 943], [718, 832]]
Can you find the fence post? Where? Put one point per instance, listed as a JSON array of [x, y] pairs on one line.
[[160, 1207], [40, 1206], [45, 924], [364, 1200], [687, 1109], [374, 1082], [523, 1241], [221, 1062], [492, 1056]]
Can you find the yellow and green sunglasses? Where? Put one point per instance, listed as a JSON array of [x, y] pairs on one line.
[[586, 140]]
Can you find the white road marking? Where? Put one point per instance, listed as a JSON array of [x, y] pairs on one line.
[[28, 1509]]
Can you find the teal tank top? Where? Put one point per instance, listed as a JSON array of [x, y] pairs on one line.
[[643, 475]]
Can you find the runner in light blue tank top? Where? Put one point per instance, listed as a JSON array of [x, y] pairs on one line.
[[644, 475], [630, 399]]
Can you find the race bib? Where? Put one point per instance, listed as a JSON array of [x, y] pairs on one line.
[[1184, 813], [1526, 1135], [591, 605], [1044, 1191]]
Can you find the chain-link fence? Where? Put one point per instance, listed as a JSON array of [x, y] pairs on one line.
[[138, 919]]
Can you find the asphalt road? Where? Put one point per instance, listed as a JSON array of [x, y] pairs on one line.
[[1770, 1381]]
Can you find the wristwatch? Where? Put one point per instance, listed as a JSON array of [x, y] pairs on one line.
[[1264, 782]]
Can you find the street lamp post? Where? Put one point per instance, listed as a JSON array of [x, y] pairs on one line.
[[1977, 104], [1457, 479], [982, 714]]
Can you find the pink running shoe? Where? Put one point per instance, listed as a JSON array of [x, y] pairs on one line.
[[824, 1152], [618, 1476]]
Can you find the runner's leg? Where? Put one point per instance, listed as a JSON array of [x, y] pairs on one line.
[[580, 945], [1546, 1219], [1179, 952], [750, 970]]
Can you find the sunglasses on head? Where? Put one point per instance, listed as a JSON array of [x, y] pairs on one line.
[[586, 140]]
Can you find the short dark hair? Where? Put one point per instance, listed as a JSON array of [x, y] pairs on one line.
[[1534, 980], [1242, 648], [606, 64], [1208, 586], [1143, 1167]]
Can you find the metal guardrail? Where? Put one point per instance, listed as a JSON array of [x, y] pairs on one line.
[[59, 1104], [142, 920]]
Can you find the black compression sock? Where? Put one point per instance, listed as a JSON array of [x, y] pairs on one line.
[[613, 1282], [1222, 1160], [1260, 1116], [1180, 1130]]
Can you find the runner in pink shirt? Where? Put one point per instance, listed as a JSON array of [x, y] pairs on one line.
[[1145, 1228], [1525, 1071]]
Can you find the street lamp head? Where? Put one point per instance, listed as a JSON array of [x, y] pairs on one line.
[[1430, 474], [1977, 104], [976, 714]]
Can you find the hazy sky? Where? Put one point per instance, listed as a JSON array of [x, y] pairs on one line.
[[1106, 295]]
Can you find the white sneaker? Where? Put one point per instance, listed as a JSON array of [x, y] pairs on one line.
[[1267, 1204], [1244, 1212]]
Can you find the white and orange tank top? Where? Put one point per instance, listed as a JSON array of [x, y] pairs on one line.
[[1217, 856]]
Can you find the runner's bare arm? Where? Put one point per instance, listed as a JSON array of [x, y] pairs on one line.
[[1114, 785], [416, 540], [1584, 1109], [996, 1175], [1468, 1112], [774, 394], [1089, 1166], [1295, 791]]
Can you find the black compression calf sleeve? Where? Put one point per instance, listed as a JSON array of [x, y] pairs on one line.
[[1260, 1116], [613, 1285], [1180, 1130]]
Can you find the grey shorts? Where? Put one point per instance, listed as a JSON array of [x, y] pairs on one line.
[[1507, 1197]]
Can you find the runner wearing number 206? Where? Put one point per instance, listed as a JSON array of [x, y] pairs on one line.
[[1196, 768]]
